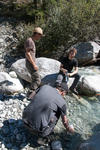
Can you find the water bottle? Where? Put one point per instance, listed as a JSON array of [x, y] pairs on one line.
[[66, 77]]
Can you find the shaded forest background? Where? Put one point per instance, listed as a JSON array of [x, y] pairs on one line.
[[65, 22]]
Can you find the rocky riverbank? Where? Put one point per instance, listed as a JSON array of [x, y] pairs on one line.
[[83, 114]]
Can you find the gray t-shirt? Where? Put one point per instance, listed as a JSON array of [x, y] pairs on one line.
[[30, 46], [47, 105]]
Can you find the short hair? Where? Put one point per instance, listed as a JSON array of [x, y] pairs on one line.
[[62, 86], [34, 33], [74, 50]]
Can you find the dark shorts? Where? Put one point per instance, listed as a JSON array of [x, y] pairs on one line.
[[45, 131]]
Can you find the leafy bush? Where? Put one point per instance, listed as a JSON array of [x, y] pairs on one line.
[[70, 22], [22, 35], [66, 23], [21, 9]]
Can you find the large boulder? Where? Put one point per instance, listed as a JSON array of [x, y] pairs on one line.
[[21, 70], [48, 69], [89, 85], [86, 52], [92, 144], [9, 85]]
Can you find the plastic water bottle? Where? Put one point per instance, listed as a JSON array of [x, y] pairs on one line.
[[66, 77]]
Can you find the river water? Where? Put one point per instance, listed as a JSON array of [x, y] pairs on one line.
[[84, 114]]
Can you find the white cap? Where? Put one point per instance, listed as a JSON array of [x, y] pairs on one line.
[[38, 30]]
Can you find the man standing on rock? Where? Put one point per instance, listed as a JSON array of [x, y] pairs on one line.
[[30, 51], [69, 68], [45, 109]]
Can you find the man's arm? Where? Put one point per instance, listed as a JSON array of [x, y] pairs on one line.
[[66, 124], [74, 72], [29, 57], [62, 69]]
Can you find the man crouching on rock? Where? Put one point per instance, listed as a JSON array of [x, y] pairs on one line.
[[45, 109]]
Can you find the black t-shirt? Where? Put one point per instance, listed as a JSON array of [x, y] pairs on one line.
[[69, 64], [47, 105]]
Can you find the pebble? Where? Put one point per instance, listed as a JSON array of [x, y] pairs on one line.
[[19, 137]]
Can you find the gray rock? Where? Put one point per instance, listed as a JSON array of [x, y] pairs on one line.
[[16, 131], [19, 137], [47, 69], [13, 74], [87, 51], [5, 130], [92, 144], [11, 121], [9, 85], [89, 85], [9, 145]]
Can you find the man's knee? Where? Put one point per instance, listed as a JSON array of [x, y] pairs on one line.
[[77, 76], [59, 78]]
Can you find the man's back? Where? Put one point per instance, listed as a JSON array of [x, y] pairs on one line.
[[46, 103]]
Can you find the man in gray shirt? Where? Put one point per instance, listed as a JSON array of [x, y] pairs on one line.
[[30, 52], [45, 109]]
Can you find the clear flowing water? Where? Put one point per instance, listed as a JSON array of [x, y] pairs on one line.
[[92, 70], [84, 114]]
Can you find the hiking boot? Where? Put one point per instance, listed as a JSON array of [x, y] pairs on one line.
[[51, 137], [31, 95]]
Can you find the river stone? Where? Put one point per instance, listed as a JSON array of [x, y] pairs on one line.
[[48, 69], [89, 85], [13, 74], [92, 144], [9, 85], [1, 40], [87, 51]]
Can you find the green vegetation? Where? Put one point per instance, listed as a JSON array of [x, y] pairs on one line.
[[72, 22], [28, 10], [65, 22]]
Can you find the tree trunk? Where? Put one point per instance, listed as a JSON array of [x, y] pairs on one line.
[[35, 3]]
